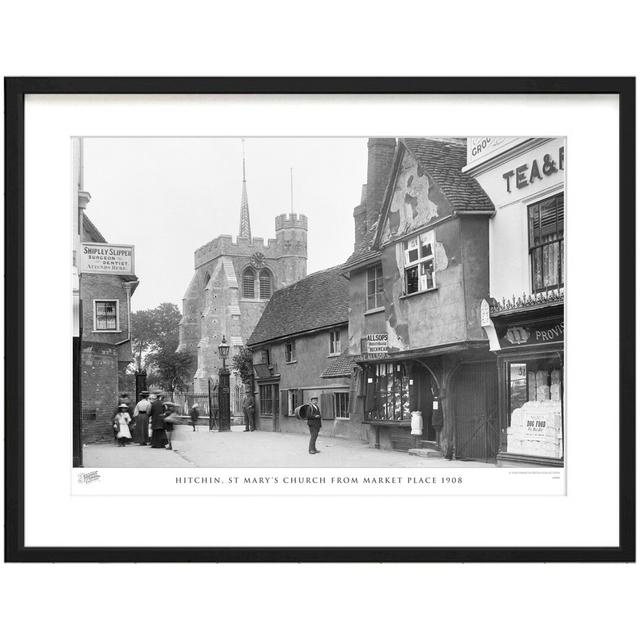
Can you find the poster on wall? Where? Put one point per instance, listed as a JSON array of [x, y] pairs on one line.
[[218, 367]]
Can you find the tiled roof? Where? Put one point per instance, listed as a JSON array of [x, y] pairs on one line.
[[363, 250], [443, 160], [319, 300], [339, 367]]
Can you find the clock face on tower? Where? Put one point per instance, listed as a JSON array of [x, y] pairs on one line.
[[257, 260]]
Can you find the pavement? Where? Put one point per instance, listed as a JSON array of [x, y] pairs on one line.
[[237, 448]]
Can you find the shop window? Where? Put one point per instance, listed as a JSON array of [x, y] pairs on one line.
[[290, 351], [546, 243], [374, 287], [419, 268], [535, 408], [266, 400], [248, 283], [334, 342], [342, 404], [105, 315], [265, 284], [388, 396]]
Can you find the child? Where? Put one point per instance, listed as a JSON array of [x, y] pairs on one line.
[[121, 425]]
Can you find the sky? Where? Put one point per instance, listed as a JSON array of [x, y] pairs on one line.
[[169, 196]]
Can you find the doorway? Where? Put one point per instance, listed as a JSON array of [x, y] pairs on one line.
[[475, 408]]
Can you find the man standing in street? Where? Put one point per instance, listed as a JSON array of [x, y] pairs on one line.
[[249, 410], [314, 421]]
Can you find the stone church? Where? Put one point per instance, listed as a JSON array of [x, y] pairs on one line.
[[231, 286]]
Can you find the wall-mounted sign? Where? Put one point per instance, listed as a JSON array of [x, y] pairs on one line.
[[525, 174], [114, 259], [480, 146], [375, 346], [377, 343], [516, 335]]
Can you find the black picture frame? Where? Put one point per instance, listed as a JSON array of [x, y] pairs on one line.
[[15, 91]]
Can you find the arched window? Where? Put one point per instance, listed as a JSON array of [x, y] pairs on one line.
[[248, 283], [265, 284]]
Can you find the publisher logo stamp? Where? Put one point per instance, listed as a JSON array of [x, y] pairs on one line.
[[88, 477]]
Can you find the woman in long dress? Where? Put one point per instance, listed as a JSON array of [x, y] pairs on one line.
[[121, 425], [158, 434], [141, 416]]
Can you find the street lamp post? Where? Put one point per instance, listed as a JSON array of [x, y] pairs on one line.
[[224, 404]]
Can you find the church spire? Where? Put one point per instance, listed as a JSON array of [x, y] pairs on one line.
[[245, 222]]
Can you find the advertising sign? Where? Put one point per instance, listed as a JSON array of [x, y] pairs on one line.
[[377, 343], [114, 259]]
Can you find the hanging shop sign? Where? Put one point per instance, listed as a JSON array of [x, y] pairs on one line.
[[517, 335], [526, 174], [114, 259]]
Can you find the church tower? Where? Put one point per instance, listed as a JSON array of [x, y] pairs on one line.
[[232, 283]]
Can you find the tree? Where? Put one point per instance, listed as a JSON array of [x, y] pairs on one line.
[[154, 330], [243, 364], [172, 369]]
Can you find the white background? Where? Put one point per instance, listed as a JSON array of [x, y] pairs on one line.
[[290, 601], [587, 516]]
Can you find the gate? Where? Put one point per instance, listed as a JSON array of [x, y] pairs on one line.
[[475, 400], [186, 400]]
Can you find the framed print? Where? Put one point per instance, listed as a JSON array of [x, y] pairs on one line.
[[320, 319]]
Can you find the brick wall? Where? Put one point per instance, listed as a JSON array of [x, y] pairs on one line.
[[99, 384]]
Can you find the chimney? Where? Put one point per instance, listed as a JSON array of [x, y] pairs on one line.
[[381, 152]]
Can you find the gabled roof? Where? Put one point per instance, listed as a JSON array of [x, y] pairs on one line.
[[320, 300], [443, 159]]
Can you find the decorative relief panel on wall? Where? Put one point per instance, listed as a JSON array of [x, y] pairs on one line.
[[410, 206]]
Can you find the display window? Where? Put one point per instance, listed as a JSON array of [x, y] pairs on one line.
[[388, 398], [534, 407]]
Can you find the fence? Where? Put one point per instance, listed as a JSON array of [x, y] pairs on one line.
[[186, 400]]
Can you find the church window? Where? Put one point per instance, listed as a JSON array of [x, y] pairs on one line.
[[248, 283], [265, 284]]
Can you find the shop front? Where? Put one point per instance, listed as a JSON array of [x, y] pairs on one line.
[[531, 375], [446, 402], [524, 314]]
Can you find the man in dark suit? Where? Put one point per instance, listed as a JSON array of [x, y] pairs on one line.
[[314, 421]]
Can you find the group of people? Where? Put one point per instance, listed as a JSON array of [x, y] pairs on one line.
[[150, 422]]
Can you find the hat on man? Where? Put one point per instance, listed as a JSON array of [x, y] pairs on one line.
[[314, 398]]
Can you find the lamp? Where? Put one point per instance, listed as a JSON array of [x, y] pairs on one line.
[[224, 404], [223, 350]]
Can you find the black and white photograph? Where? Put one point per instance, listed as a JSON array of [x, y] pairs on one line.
[[353, 302]]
